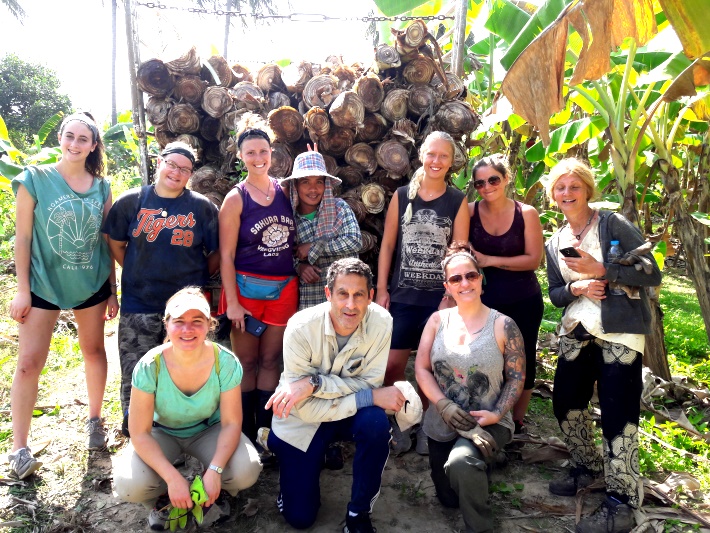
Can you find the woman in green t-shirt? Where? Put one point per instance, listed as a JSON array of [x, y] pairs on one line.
[[62, 262], [186, 398]]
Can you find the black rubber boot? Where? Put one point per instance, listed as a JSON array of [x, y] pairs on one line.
[[263, 417], [249, 402]]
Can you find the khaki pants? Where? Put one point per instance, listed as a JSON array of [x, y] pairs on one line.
[[136, 482]]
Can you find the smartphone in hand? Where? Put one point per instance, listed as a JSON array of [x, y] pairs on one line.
[[254, 326], [570, 251]]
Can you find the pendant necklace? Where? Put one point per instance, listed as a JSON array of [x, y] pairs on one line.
[[262, 192], [579, 235]]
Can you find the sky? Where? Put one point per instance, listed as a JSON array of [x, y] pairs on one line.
[[73, 38]]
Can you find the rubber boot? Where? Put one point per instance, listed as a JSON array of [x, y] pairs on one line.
[[249, 402], [263, 417]]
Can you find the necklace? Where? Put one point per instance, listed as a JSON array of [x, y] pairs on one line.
[[262, 192], [579, 235]]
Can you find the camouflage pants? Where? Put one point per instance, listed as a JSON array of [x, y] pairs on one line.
[[137, 333], [616, 370]]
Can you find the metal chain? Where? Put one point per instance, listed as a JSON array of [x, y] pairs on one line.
[[294, 17]]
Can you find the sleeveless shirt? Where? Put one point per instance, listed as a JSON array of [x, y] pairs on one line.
[[421, 244], [471, 375], [503, 287], [266, 235]]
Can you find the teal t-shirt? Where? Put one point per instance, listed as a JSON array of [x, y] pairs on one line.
[[177, 413], [70, 259]]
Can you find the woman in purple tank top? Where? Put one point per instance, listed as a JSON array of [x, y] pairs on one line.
[[507, 237], [256, 235]]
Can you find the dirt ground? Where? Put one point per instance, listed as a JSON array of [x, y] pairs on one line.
[[73, 490]]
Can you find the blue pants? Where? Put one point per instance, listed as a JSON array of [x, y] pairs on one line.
[[299, 498]]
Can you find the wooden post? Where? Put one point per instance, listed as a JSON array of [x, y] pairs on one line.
[[136, 94], [457, 50]]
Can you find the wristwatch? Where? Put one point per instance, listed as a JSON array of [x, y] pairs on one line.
[[314, 381], [217, 469]]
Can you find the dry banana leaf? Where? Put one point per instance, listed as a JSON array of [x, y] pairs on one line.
[[460, 157], [420, 70], [269, 78], [386, 57], [346, 77], [373, 128], [404, 131], [369, 241], [296, 75], [187, 65], [351, 176], [362, 157], [393, 157], [337, 141], [241, 73], [157, 110], [287, 124], [358, 208], [231, 119], [373, 197], [369, 89], [320, 91], [317, 122], [202, 180], [211, 128], [394, 106], [183, 118], [154, 78], [248, 96], [281, 160], [277, 99], [223, 70], [347, 111], [457, 118], [217, 101], [189, 89], [164, 136], [455, 90], [423, 100]]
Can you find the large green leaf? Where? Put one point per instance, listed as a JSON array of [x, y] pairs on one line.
[[9, 170], [670, 69], [564, 137], [116, 132], [506, 20], [51, 123], [542, 18]]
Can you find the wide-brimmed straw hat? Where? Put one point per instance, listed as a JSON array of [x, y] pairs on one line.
[[310, 164]]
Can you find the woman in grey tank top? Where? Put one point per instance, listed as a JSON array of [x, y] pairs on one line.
[[471, 366]]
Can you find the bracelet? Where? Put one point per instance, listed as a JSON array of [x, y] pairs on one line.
[[114, 284]]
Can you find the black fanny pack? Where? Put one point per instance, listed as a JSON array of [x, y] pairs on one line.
[[581, 334]]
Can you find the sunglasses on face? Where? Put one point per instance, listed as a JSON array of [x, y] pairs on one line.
[[470, 276], [184, 171], [493, 181]]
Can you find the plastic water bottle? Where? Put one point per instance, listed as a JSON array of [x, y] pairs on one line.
[[615, 252]]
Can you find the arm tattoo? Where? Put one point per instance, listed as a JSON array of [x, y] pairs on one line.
[[504, 267], [514, 369]]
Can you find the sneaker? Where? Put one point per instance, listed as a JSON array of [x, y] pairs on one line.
[[333, 457], [422, 446], [22, 464], [97, 434], [158, 517], [401, 441], [360, 523], [612, 517], [568, 484], [216, 513]]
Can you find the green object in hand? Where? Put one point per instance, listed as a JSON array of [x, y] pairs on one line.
[[177, 518], [199, 497]]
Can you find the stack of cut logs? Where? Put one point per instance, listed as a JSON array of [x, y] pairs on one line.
[[368, 122]]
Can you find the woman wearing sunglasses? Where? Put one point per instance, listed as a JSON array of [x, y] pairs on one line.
[[471, 366], [422, 219], [507, 237]]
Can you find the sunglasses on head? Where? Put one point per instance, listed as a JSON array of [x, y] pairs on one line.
[[493, 181], [470, 276]]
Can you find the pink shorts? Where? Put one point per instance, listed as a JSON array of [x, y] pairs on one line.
[[274, 312]]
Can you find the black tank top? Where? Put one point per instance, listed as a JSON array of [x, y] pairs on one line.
[[503, 287]]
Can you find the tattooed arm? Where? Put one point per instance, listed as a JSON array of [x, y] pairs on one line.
[[510, 342]]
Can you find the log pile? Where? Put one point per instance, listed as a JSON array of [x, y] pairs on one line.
[[368, 122]]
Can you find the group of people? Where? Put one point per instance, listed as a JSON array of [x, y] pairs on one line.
[[318, 344]]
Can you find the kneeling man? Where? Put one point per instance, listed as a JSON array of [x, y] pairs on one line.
[[335, 355]]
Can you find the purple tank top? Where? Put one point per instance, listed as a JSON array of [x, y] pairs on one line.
[[503, 286], [266, 235]]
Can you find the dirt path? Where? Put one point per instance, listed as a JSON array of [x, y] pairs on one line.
[[73, 490]]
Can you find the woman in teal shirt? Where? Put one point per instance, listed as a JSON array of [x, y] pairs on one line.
[[186, 398], [62, 262]]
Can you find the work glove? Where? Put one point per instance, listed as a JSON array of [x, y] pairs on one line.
[[199, 497], [484, 441], [636, 257], [455, 417]]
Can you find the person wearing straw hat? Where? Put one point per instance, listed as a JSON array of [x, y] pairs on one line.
[[326, 228]]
